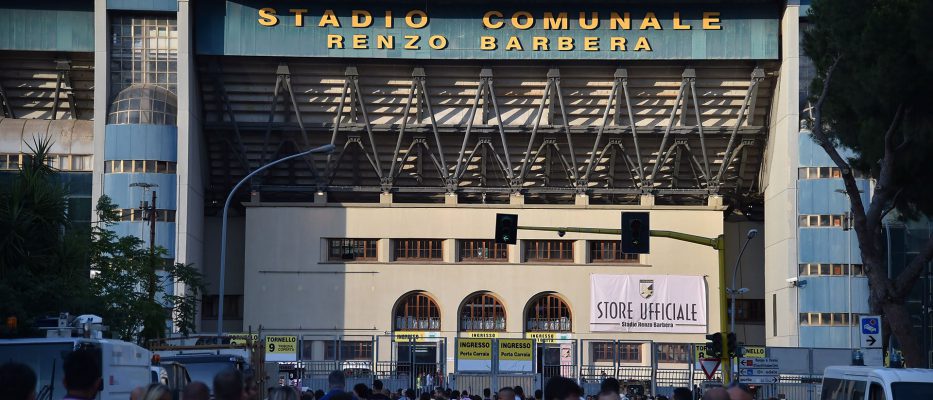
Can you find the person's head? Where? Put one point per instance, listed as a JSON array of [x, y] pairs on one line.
[[455, 394], [464, 394], [377, 386], [507, 393], [361, 391], [539, 394], [610, 385], [425, 396], [410, 394], [739, 391], [342, 396], [307, 396], [18, 381], [682, 393], [82, 373], [157, 391], [196, 391], [717, 393], [336, 380], [138, 393], [228, 385], [661, 397], [283, 393], [560, 388], [519, 392], [318, 394], [487, 393], [607, 395]]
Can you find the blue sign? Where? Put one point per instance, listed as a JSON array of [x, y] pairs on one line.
[[871, 325]]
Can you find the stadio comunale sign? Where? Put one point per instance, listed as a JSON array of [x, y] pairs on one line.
[[462, 31]]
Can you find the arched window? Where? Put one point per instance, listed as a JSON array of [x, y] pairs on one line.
[[417, 311], [482, 312], [548, 313]]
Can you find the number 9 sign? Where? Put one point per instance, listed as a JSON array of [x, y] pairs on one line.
[[271, 348]]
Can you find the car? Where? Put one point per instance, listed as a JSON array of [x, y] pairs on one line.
[[873, 383]]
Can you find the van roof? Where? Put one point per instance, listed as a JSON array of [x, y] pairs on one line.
[[886, 374]]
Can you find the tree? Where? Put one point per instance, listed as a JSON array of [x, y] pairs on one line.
[[43, 264], [874, 62], [132, 308]]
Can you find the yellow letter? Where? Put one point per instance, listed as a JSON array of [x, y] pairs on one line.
[[360, 41], [564, 43], [385, 42], [617, 43], [529, 20], [299, 15], [555, 23], [437, 42], [388, 18], [487, 42], [594, 20], [514, 44], [267, 17], [487, 20], [650, 21], [361, 19], [422, 19], [328, 18], [539, 43], [710, 18], [677, 24], [642, 44], [591, 43], [412, 42], [620, 22], [334, 42]]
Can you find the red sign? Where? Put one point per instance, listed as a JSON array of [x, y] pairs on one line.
[[710, 366]]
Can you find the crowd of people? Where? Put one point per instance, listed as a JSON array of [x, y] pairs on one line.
[[83, 380]]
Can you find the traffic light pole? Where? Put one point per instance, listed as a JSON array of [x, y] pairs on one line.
[[718, 243]]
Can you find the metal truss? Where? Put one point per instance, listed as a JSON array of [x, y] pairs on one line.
[[63, 75]]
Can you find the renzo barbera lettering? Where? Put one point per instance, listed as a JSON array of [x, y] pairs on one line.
[[492, 21]]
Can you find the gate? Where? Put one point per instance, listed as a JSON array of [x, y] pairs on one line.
[[627, 361], [479, 364], [320, 355], [556, 358], [415, 362]]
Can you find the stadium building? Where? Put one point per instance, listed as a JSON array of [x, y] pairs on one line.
[[379, 255]]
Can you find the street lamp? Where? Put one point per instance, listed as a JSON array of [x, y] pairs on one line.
[[732, 290], [327, 148]]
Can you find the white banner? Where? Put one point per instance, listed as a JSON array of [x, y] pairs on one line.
[[648, 303]]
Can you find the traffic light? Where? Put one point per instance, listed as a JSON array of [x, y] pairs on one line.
[[714, 345], [732, 345], [635, 232], [506, 228]]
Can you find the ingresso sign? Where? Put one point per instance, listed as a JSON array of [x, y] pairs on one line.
[[463, 31]]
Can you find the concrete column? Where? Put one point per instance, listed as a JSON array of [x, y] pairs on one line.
[[385, 198], [101, 94], [517, 199], [582, 199], [450, 250], [579, 252], [515, 252], [647, 200], [714, 201], [384, 250], [320, 198], [450, 199]]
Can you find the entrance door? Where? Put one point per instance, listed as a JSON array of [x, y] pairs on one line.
[[423, 363]]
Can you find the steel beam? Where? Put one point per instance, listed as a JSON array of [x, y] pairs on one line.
[[5, 102], [757, 76], [667, 132]]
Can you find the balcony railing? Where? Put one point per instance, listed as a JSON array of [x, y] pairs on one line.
[[421, 324], [482, 324], [548, 324]]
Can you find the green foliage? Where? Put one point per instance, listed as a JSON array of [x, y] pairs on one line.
[[885, 63]]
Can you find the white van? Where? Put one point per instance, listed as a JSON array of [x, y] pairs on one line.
[[873, 383], [125, 365]]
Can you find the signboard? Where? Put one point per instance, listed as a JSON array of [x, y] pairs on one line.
[[417, 336], [870, 329], [281, 348], [709, 366], [758, 379], [486, 335], [750, 363], [648, 303], [516, 355], [549, 337], [474, 355], [241, 338], [753, 352], [760, 372], [529, 31]]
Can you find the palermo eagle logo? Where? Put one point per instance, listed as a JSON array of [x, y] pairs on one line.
[[646, 288]]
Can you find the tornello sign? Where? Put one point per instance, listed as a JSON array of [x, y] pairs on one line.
[[648, 303]]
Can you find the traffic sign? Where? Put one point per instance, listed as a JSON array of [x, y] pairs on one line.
[[870, 329], [758, 379], [753, 352], [759, 363], [759, 372], [709, 365]]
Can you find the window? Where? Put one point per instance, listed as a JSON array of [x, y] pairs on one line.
[[483, 251], [822, 221], [548, 313], [482, 312], [610, 251], [417, 311], [673, 352], [603, 351], [628, 352], [352, 249], [419, 249], [749, 311], [831, 269], [823, 173], [548, 250], [350, 350], [143, 50], [827, 319], [232, 306]]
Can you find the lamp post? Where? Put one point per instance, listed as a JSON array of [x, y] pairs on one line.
[[735, 270], [149, 214], [223, 235]]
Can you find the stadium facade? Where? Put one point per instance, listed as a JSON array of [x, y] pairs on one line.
[[442, 116]]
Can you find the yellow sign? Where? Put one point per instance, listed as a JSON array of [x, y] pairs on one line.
[[699, 352], [474, 349], [241, 338], [754, 352], [281, 348], [516, 349], [483, 335], [416, 336], [548, 337]]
